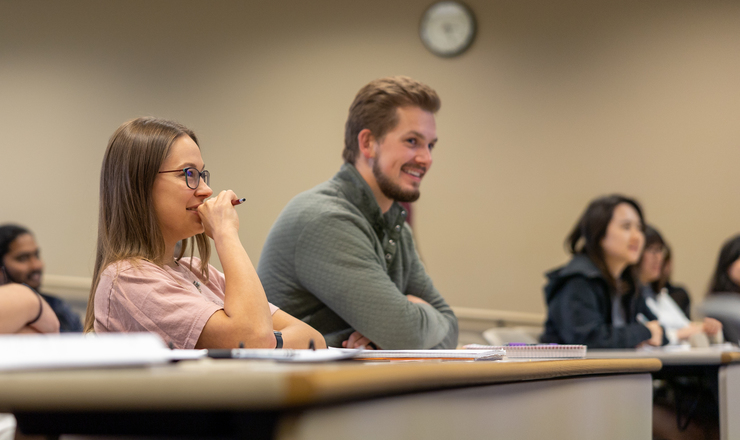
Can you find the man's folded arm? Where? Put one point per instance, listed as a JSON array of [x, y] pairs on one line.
[[421, 285]]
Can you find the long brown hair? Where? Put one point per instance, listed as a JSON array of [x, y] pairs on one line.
[[127, 223]]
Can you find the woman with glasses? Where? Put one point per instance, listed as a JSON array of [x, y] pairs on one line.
[[676, 323], [154, 194]]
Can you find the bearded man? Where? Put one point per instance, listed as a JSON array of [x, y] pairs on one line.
[[20, 262], [341, 256]]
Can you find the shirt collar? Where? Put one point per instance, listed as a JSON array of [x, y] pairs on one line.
[[358, 193]]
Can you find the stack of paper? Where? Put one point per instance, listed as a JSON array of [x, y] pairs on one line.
[[285, 355], [459, 355], [535, 350], [76, 350]]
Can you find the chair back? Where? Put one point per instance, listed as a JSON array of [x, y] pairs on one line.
[[508, 335], [724, 307]]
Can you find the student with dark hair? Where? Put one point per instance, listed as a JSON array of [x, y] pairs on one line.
[[723, 299], [594, 299], [20, 262], [726, 276], [651, 268], [656, 266]]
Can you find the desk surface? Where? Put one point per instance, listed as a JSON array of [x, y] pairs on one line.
[[673, 356], [240, 385]]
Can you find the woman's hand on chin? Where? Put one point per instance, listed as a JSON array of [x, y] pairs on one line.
[[218, 215]]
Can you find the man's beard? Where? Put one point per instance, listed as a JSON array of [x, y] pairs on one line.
[[8, 278], [391, 189]]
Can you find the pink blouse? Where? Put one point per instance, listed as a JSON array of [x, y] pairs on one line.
[[175, 303]]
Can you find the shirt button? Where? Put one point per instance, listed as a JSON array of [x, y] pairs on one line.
[[403, 213], [391, 242], [388, 257], [398, 228]]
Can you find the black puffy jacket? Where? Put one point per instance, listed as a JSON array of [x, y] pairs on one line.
[[580, 309]]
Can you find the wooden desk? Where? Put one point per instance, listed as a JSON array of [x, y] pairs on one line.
[[575, 399], [729, 400], [727, 364], [672, 356]]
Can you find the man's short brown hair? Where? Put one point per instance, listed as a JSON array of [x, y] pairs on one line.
[[375, 107]]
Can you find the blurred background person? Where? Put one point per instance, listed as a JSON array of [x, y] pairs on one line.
[[653, 278], [723, 299], [678, 292], [22, 311], [20, 262]]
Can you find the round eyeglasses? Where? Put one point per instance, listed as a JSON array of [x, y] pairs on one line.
[[192, 176]]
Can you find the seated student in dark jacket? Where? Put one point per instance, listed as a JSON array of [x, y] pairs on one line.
[[594, 300]]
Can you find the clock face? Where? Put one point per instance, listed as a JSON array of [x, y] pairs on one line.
[[447, 28]]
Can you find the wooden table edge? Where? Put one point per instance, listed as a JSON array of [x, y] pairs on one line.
[[234, 385], [321, 386], [730, 357]]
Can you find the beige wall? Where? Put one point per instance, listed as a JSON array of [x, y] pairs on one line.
[[555, 103]]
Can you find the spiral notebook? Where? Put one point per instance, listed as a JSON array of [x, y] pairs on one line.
[[555, 351]]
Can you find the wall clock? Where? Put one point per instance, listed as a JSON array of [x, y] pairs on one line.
[[447, 28]]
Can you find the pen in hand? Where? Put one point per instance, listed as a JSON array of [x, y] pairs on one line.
[[238, 202], [642, 319]]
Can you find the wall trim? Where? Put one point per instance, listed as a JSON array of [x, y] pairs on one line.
[[498, 318], [67, 287]]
